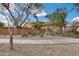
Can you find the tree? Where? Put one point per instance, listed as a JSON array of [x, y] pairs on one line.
[[58, 17], [2, 24], [38, 9], [76, 6], [22, 11], [37, 24]]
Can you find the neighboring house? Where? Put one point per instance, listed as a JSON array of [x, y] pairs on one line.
[[76, 23], [44, 27], [28, 26], [55, 28], [51, 27], [69, 28], [77, 26]]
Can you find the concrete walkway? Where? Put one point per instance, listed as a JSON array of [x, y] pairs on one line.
[[50, 41]]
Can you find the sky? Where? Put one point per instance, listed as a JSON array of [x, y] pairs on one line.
[[51, 7]]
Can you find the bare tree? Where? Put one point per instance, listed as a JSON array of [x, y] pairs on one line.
[[18, 15]]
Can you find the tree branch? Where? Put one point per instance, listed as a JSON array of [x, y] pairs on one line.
[[24, 19], [7, 7], [21, 15]]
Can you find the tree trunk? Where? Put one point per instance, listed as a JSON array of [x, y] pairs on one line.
[[11, 41], [63, 30], [10, 32], [37, 22]]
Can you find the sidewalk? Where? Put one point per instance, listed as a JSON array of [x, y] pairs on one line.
[[49, 41]]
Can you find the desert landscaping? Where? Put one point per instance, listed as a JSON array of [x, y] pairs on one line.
[[39, 29]]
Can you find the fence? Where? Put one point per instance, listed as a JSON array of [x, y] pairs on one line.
[[5, 31]]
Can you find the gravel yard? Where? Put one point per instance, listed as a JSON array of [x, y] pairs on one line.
[[40, 50]]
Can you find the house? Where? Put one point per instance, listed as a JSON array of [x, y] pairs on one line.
[[69, 28], [76, 23], [51, 27]]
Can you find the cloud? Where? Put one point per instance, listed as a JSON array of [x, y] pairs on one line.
[[75, 19], [39, 12], [3, 19], [12, 7], [43, 13]]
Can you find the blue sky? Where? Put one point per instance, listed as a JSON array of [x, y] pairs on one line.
[[51, 7]]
